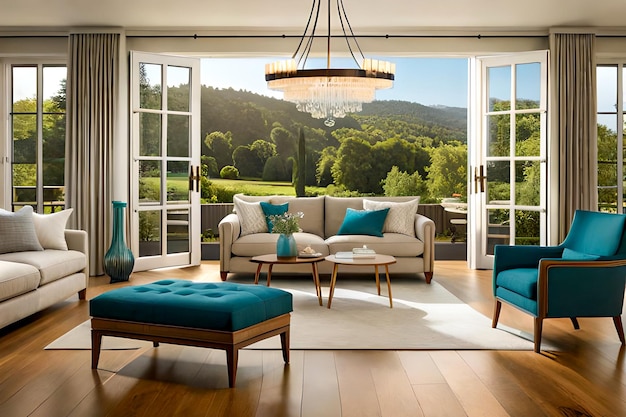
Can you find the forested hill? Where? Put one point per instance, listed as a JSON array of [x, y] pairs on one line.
[[251, 116]]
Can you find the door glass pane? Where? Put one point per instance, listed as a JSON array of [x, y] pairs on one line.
[[25, 91], [527, 183], [149, 182], [177, 231], [499, 135], [527, 85], [178, 135], [498, 180], [149, 233], [527, 134], [150, 86], [178, 95], [25, 138], [498, 228], [150, 134], [499, 88], [606, 77], [527, 227], [178, 181]]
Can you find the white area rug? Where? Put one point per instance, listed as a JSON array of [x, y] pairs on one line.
[[423, 317]]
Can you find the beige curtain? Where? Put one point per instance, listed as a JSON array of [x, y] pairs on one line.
[[91, 101], [573, 57]]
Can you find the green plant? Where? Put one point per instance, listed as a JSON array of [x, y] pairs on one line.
[[286, 223], [229, 172], [209, 236]]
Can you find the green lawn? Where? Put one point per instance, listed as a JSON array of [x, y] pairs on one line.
[[262, 187]]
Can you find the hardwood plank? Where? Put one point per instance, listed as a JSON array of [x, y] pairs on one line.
[[356, 385], [420, 367], [473, 395], [281, 389], [320, 391], [438, 400], [393, 387]]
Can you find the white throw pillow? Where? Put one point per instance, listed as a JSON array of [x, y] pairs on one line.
[[251, 217], [50, 229], [401, 216], [17, 232]]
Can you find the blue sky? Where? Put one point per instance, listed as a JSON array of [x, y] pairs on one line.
[[428, 81]]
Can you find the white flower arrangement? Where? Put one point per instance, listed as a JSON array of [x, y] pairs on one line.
[[287, 223]]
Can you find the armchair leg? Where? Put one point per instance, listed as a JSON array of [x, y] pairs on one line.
[[538, 328], [496, 313], [620, 329], [223, 275], [575, 322]]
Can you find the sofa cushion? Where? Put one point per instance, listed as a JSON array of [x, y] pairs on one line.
[[335, 211], [251, 217], [17, 279], [394, 244], [52, 264], [311, 207], [264, 243], [18, 231], [272, 210], [401, 216], [363, 222], [50, 229]]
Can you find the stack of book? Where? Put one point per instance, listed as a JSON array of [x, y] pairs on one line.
[[357, 253]]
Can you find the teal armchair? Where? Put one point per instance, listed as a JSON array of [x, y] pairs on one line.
[[582, 277]]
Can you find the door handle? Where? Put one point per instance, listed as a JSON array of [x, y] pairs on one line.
[[479, 177], [197, 178], [194, 178]]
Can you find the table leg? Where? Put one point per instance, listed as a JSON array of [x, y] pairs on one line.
[[388, 286], [333, 280], [377, 278], [258, 272], [269, 275], [316, 281]]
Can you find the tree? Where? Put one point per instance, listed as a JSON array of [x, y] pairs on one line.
[[323, 174], [399, 183], [247, 162], [220, 145], [274, 169], [353, 166], [300, 171], [285, 145], [447, 173], [229, 172]]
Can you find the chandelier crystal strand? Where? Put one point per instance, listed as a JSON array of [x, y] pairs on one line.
[[329, 93]]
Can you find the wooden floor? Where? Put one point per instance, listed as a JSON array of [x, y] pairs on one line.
[[586, 376]]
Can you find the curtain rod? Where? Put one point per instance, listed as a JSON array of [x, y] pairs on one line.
[[477, 36]]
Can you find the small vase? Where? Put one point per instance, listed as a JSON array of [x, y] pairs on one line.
[[119, 260], [286, 246]]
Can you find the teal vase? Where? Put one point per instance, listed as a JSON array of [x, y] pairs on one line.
[[119, 260], [286, 246]]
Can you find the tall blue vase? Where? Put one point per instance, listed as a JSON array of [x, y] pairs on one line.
[[286, 246], [119, 260]]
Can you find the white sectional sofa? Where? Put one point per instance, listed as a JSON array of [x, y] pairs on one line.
[[413, 247], [32, 280]]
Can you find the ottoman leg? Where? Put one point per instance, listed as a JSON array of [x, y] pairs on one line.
[[96, 342], [284, 342], [232, 357]]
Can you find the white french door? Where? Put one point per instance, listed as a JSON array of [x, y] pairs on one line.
[[165, 152], [507, 184]]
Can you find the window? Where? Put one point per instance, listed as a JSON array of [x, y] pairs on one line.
[[37, 126], [610, 137]]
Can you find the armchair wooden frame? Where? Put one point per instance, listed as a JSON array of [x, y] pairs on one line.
[[545, 265]]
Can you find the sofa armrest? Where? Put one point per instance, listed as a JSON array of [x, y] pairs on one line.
[[77, 240], [425, 231], [229, 229]]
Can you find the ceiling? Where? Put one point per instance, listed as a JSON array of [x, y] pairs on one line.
[[289, 16]]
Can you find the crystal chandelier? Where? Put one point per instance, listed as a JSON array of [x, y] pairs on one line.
[[328, 93]]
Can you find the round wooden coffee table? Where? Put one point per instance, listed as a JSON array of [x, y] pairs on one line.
[[376, 261], [272, 260]]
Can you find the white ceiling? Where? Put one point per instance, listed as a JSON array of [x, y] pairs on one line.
[[286, 16]]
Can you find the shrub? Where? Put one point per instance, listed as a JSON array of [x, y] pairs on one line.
[[229, 172]]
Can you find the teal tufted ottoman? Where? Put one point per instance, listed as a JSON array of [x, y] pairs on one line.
[[216, 315]]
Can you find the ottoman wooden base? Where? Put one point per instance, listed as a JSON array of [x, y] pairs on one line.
[[231, 342]]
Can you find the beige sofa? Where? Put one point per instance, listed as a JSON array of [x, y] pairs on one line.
[[414, 249], [31, 281]]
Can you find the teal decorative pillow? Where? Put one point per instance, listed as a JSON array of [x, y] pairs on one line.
[[363, 222], [572, 255], [18, 231], [273, 210]]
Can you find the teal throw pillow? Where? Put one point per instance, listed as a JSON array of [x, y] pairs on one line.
[[572, 255], [363, 222], [273, 210]]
